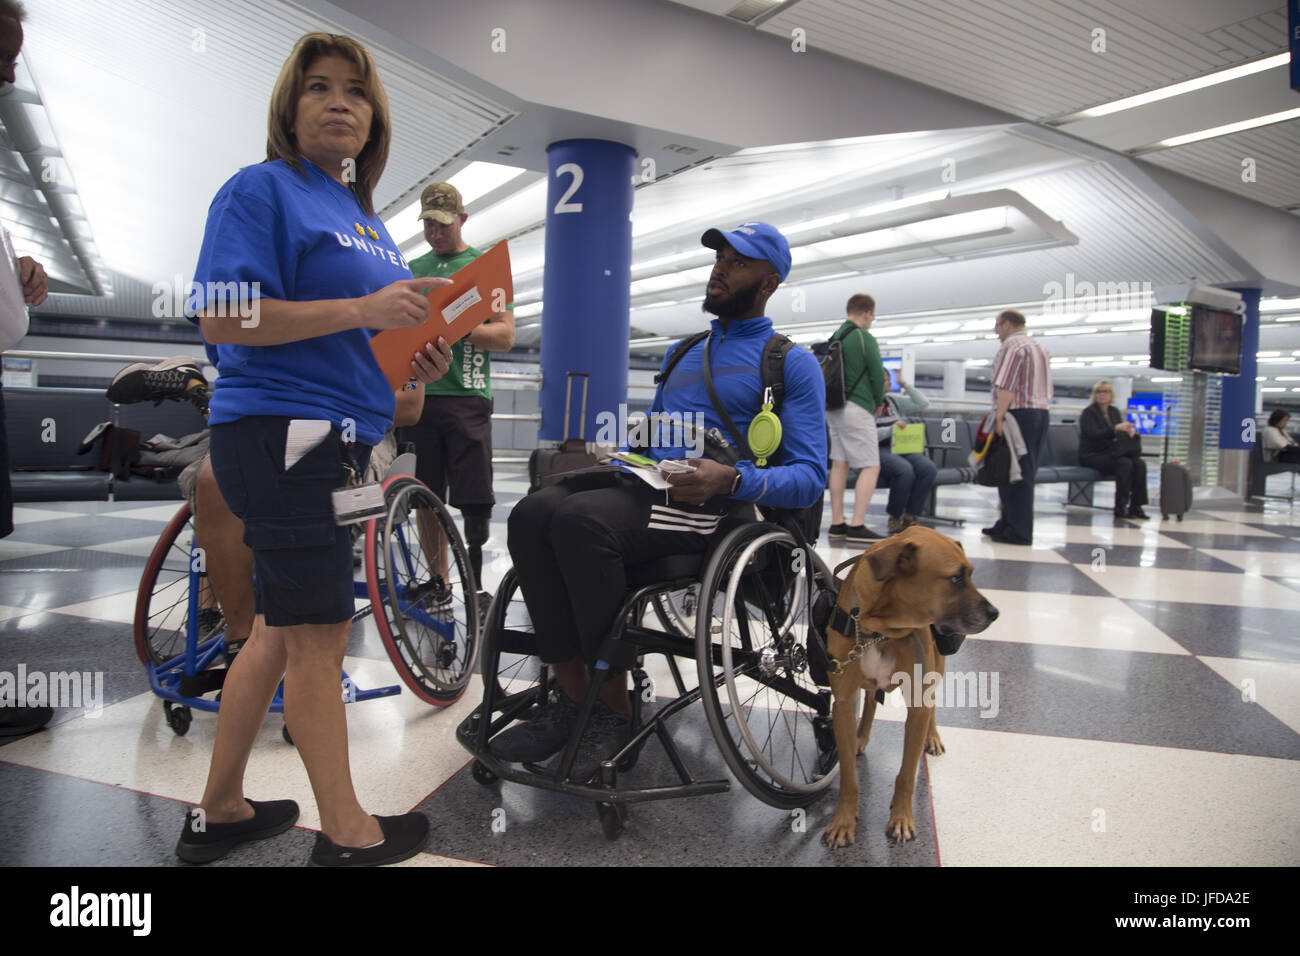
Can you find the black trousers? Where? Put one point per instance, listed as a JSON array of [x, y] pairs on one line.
[[1017, 521], [1290, 454], [1130, 473], [572, 545]]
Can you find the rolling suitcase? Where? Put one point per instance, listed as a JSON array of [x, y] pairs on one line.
[[1175, 486], [546, 466], [1175, 490]]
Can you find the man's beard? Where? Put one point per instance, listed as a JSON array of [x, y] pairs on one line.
[[733, 307]]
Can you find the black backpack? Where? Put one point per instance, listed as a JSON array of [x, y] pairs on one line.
[[772, 375], [830, 356]]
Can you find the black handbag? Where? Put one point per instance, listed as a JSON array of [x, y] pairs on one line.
[[996, 469]]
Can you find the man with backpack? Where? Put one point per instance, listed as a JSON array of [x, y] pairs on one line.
[[853, 425], [573, 542]]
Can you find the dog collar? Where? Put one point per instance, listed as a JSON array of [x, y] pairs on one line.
[[846, 622]]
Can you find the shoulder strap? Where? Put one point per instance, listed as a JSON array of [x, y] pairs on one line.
[[742, 446], [679, 352], [772, 365], [848, 392], [772, 375]]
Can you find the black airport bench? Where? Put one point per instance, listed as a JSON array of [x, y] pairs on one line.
[[45, 426], [949, 442], [1259, 470]]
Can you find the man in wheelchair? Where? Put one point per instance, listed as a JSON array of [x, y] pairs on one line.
[[573, 543]]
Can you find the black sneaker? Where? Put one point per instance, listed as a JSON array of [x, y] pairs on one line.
[[837, 531], [540, 737], [484, 602], [153, 383], [607, 733], [404, 837], [211, 622], [861, 534], [203, 843]]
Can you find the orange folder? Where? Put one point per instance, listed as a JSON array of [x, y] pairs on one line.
[[478, 290]]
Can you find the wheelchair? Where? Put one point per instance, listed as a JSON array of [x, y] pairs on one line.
[[428, 619], [744, 613]]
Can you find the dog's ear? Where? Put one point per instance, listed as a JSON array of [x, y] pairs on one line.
[[892, 557], [958, 544]]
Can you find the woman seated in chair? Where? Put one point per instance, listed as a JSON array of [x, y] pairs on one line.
[[1111, 445], [1278, 445]]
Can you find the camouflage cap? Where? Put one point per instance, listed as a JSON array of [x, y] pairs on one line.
[[441, 202]]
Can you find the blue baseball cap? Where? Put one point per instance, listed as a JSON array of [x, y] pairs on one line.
[[757, 240]]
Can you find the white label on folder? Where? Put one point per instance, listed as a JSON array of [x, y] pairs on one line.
[[453, 311]]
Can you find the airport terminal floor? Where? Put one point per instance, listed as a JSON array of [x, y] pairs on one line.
[[1146, 712]]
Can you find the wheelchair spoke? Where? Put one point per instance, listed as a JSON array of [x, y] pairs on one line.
[[429, 620], [760, 697]]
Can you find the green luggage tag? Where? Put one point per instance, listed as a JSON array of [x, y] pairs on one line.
[[765, 432]]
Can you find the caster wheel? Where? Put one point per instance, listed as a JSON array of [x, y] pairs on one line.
[[284, 732], [613, 818], [482, 774], [179, 717], [1180, 517]]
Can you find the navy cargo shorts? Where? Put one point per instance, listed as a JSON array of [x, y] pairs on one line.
[[302, 560]]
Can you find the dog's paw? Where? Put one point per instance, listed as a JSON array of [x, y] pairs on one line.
[[841, 832], [933, 745], [901, 827]]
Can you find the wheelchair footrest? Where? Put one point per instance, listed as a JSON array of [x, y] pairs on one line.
[[196, 685]]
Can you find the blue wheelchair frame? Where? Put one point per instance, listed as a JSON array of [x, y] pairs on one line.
[[176, 680]]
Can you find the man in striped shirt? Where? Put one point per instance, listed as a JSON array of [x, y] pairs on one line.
[[1022, 386]]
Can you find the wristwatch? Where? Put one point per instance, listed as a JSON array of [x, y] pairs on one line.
[[736, 484]]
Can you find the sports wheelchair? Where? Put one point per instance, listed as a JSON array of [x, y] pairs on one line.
[[746, 613], [427, 618]]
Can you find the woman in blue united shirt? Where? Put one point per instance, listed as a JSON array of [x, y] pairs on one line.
[[298, 271]]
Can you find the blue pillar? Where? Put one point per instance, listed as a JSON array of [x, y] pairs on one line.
[[1239, 391], [585, 294]]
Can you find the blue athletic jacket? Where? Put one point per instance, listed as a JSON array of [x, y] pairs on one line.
[[735, 353]]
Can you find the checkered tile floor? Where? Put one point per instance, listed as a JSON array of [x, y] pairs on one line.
[[1147, 713]]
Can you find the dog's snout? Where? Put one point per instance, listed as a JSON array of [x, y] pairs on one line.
[[990, 612]]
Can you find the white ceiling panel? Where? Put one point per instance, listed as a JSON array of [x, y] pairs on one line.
[[1032, 58], [156, 104], [1219, 162]]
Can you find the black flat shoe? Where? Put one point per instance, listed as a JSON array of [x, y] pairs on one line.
[[1138, 513], [404, 837], [1004, 539], [204, 842]]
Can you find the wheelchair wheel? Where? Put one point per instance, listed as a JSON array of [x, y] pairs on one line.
[[676, 610], [512, 673], [769, 717], [428, 620], [162, 604]]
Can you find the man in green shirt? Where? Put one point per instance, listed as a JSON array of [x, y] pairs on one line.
[[453, 439], [853, 427]]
